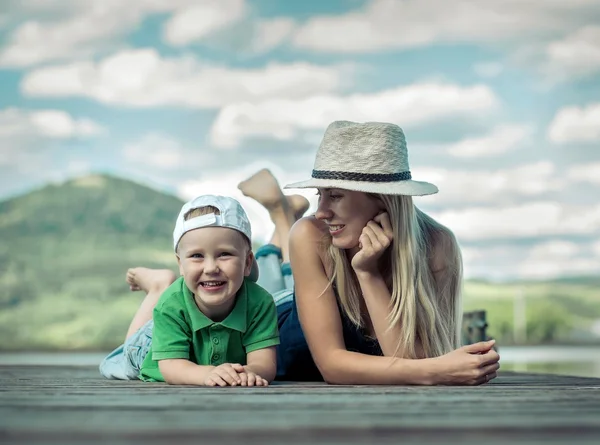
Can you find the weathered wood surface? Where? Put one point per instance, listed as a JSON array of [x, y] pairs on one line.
[[66, 405]]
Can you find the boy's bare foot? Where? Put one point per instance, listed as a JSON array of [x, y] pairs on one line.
[[142, 278], [298, 204], [264, 188]]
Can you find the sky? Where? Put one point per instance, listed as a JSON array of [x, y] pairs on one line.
[[499, 101]]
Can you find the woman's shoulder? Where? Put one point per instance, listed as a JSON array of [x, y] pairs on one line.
[[308, 228], [308, 238], [443, 247]]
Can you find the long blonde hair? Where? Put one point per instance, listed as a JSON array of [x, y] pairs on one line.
[[427, 311]]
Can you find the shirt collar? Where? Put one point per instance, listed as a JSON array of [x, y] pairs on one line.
[[236, 319]]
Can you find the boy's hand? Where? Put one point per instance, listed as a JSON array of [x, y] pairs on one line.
[[249, 378], [224, 375]]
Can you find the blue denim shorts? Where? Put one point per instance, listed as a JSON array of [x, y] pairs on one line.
[[125, 362]]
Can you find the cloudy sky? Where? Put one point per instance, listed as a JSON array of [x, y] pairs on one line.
[[499, 100]]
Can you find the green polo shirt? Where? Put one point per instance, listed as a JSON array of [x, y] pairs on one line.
[[182, 331]]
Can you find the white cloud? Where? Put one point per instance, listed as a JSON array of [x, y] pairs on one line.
[[388, 24], [502, 139], [409, 105], [488, 69], [155, 150], [533, 219], [53, 124], [76, 29], [578, 54], [197, 21], [142, 78], [268, 34], [596, 248], [585, 173], [558, 258], [547, 259], [574, 124], [465, 187]]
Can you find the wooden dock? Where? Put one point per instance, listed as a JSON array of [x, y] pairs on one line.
[[68, 405]]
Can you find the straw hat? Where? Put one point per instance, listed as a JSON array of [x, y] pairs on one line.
[[369, 157]]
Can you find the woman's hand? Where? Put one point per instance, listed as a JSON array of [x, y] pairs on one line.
[[376, 237], [469, 365]]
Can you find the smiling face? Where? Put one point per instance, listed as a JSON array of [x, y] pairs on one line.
[[214, 262], [346, 213]]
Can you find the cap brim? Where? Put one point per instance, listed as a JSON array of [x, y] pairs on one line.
[[409, 187]]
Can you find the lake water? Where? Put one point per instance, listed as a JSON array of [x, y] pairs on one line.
[[567, 360]]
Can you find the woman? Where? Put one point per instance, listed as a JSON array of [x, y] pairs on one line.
[[375, 294]]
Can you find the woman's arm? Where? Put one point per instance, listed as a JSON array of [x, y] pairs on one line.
[[322, 325], [375, 239], [377, 299], [320, 320]]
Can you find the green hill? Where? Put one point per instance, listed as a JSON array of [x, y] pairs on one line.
[[65, 250], [64, 254]]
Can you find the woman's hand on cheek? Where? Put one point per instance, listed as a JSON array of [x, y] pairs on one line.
[[376, 237]]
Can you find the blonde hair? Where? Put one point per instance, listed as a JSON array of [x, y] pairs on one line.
[[427, 311], [201, 211], [207, 210]]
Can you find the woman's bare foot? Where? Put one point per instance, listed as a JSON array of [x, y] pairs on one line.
[[264, 188], [142, 278], [298, 204]]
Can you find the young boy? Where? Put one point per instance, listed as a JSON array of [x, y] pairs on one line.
[[213, 325]]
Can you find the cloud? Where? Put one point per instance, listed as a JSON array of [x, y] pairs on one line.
[[585, 173], [488, 69], [268, 34], [577, 54], [198, 21], [52, 124], [502, 139], [500, 186], [73, 29], [533, 219], [142, 78], [546, 259], [559, 258], [38, 146], [287, 119], [155, 150], [574, 124], [390, 24]]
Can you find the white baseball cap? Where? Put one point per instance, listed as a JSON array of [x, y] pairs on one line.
[[232, 216]]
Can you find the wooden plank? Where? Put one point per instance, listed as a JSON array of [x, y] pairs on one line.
[[59, 404]]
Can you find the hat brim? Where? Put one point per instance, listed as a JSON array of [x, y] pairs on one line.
[[408, 187]]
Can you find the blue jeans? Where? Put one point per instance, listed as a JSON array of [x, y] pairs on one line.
[[274, 275], [125, 362], [294, 361]]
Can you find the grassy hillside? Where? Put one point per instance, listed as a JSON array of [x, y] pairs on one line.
[[64, 254], [65, 249]]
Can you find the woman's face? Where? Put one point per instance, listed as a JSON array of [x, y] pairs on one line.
[[346, 213]]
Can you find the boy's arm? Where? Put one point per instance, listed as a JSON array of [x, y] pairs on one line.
[[262, 362], [184, 372], [262, 337], [171, 344]]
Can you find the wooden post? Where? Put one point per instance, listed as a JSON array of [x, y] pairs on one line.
[[519, 317], [474, 327]]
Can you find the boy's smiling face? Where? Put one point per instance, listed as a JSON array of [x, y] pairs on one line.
[[214, 262]]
